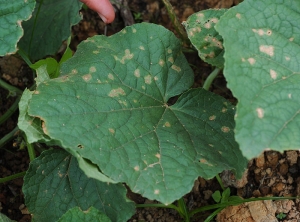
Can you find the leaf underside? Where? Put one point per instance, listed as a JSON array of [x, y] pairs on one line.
[[200, 29], [111, 107], [262, 69]]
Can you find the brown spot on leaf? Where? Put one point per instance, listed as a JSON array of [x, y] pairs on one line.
[[92, 69], [224, 110], [267, 49], [260, 112], [161, 62], [137, 73], [225, 129], [203, 160], [111, 130], [176, 68], [213, 117], [45, 130], [167, 124], [273, 74], [148, 79], [251, 61], [171, 60], [127, 56], [110, 76], [116, 92], [87, 77]]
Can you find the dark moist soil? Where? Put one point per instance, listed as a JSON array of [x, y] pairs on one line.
[[271, 174]]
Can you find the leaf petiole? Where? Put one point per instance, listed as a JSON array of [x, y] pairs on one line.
[[12, 177]]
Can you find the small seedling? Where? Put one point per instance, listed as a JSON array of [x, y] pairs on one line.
[[138, 17], [281, 216]]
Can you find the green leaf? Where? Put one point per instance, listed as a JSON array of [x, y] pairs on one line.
[[225, 195], [91, 170], [50, 25], [200, 28], [51, 65], [12, 13], [68, 52], [91, 214], [234, 198], [4, 218], [262, 54], [30, 125], [54, 184], [111, 107], [216, 196]]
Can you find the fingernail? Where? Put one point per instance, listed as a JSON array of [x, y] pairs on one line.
[[103, 18]]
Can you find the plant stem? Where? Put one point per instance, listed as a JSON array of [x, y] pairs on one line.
[[30, 149], [236, 202], [210, 217], [8, 137], [24, 56], [220, 181], [10, 111], [12, 177], [177, 25], [211, 78], [183, 211], [10, 88]]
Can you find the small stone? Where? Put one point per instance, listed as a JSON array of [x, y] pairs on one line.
[[257, 171], [293, 169], [260, 161], [256, 193], [196, 186], [264, 190], [292, 157], [278, 187], [273, 158], [240, 192], [207, 194], [290, 180], [283, 169], [149, 217], [268, 171], [202, 182], [284, 205]]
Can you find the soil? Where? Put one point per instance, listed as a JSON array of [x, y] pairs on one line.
[[271, 174]]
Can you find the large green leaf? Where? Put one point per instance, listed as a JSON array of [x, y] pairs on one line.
[[77, 214], [262, 54], [200, 28], [111, 107], [54, 184], [50, 25], [12, 13]]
